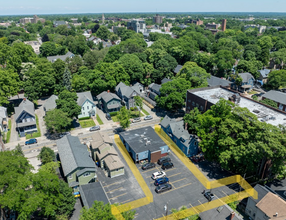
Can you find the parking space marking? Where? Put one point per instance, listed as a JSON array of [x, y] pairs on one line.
[[125, 201], [175, 174], [170, 169], [224, 193], [178, 180], [111, 184], [149, 170], [183, 185], [173, 186], [118, 196], [114, 190], [201, 203], [194, 208], [171, 190]]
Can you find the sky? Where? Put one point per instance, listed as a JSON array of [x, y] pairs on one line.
[[20, 7]]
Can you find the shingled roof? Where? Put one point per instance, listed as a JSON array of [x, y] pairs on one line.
[[73, 154], [25, 105], [107, 96], [276, 96], [50, 103], [83, 96]]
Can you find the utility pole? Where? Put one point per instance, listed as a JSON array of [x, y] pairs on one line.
[[166, 209]]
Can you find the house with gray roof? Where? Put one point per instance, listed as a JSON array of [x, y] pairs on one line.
[[216, 81], [278, 97], [188, 143], [263, 76], [246, 84], [61, 57], [91, 192], [50, 103], [153, 90], [3, 119], [109, 102], [165, 80], [138, 87], [77, 164], [177, 69], [85, 101], [223, 212], [57, 23], [25, 118], [127, 94]]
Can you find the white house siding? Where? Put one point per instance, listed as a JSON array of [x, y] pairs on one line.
[[85, 108]]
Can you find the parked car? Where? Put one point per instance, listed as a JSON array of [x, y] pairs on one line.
[[158, 175], [95, 128], [147, 166], [148, 117], [31, 141], [163, 188], [209, 195], [163, 160], [108, 116], [136, 120], [161, 181], [167, 165]]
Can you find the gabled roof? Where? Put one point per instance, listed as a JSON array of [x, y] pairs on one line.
[[261, 191], [264, 73], [91, 192], [60, 23], [79, 173], [50, 103], [113, 162], [155, 87], [61, 57], [73, 154], [26, 106], [121, 84], [220, 213], [107, 96], [246, 77], [99, 138], [216, 81], [83, 96], [276, 96], [177, 69], [3, 112], [126, 91], [165, 80]]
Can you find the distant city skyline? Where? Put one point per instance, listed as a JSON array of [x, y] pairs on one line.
[[17, 7]]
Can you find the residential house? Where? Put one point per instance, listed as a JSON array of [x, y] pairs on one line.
[[50, 103], [25, 118], [127, 94], [263, 76], [278, 97], [144, 144], [109, 102], [188, 143], [106, 44], [138, 87], [77, 165], [246, 84], [216, 81], [86, 34], [165, 80], [92, 192], [95, 40], [279, 187], [268, 205], [35, 45], [3, 119], [57, 23], [223, 212], [105, 155], [61, 57], [153, 91], [177, 69], [85, 101]]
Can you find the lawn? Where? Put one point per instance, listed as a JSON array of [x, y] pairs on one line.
[[99, 119], [132, 114], [145, 112], [252, 92], [35, 134], [114, 119], [8, 134], [86, 123]]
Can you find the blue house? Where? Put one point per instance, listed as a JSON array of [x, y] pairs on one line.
[[188, 143], [144, 144], [247, 82]]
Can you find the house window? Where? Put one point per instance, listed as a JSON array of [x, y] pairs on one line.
[[193, 103], [87, 107], [196, 143], [82, 108], [70, 176], [86, 174]]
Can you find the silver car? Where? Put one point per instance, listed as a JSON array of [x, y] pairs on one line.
[[148, 117], [95, 128], [136, 120]]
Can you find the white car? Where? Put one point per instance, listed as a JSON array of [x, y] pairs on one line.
[[158, 175]]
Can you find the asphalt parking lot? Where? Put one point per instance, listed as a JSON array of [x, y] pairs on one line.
[[186, 191]]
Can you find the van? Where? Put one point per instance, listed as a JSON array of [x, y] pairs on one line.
[[163, 160]]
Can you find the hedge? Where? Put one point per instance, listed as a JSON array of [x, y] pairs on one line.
[[84, 118], [113, 113]]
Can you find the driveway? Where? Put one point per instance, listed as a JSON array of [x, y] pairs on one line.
[[41, 113], [101, 114], [14, 134]]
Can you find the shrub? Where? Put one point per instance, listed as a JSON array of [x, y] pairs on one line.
[[84, 118], [113, 113], [131, 109]]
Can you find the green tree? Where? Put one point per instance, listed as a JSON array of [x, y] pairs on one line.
[[192, 120], [67, 79], [74, 63], [103, 32], [48, 49], [98, 211], [181, 215], [123, 117], [269, 102], [46, 155], [59, 67], [67, 102], [92, 58], [139, 103], [277, 79], [56, 120], [79, 83], [223, 61], [68, 201], [133, 66], [19, 150]]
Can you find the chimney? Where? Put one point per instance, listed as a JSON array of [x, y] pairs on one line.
[[24, 99], [108, 91], [232, 215]]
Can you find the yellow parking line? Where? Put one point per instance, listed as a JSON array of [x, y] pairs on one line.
[[183, 185], [224, 193], [170, 169], [175, 174], [118, 196], [173, 186], [149, 170], [125, 201], [178, 180], [111, 184], [114, 190], [201, 203], [194, 209], [171, 190]]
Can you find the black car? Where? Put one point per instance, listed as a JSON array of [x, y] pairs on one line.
[[108, 116], [148, 166], [163, 160], [209, 196], [167, 165], [163, 188]]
